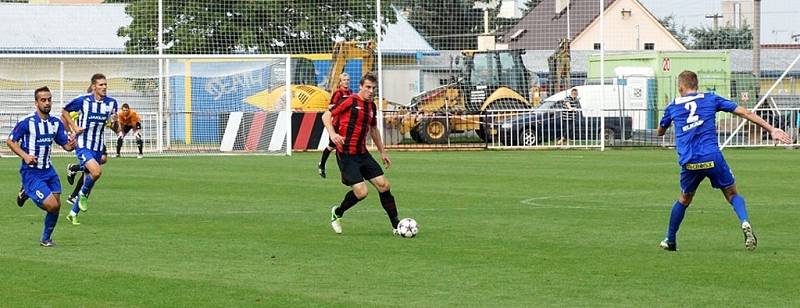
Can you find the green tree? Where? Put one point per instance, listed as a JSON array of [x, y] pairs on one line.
[[445, 24], [724, 38], [530, 5], [679, 32], [231, 26]]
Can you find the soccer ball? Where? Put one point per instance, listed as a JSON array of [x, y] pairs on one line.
[[407, 227]]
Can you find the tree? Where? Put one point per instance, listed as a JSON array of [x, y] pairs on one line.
[[707, 38], [530, 5], [230, 26], [679, 32], [445, 24], [724, 38]]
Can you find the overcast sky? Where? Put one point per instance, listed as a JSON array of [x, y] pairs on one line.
[[780, 19]]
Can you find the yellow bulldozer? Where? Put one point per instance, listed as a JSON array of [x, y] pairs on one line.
[[306, 95], [489, 80]]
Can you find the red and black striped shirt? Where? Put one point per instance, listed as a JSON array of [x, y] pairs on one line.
[[353, 118], [338, 96]]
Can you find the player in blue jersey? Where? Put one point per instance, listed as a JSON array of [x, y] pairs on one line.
[[94, 110], [694, 116], [32, 139]]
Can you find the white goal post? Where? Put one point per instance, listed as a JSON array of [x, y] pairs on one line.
[[187, 104]]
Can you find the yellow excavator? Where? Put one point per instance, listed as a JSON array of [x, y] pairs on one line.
[[489, 80], [306, 95]]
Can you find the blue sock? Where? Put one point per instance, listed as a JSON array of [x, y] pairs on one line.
[[50, 221], [737, 202], [675, 219], [75, 208], [88, 182]]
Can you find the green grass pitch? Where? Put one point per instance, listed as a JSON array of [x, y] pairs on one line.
[[502, 229]]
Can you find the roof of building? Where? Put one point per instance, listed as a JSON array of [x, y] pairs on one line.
[[402, 37], [544, 28]]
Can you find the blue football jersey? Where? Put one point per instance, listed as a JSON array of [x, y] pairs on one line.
[[92, 118], [695, 117], [36, 136]]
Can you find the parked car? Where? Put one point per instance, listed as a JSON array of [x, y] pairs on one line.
[[551, 122]]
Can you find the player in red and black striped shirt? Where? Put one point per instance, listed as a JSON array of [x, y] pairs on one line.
[[356, 118], [341, 93]]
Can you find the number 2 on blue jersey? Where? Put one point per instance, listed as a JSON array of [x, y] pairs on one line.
[[692, 107]]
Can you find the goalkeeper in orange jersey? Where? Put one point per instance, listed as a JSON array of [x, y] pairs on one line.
[[128, 120]]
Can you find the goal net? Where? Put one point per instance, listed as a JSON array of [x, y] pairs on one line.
[[451, 73], [187, 104]]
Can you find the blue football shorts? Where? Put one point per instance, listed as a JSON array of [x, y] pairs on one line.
[[712, 167], [39, 183], [85, 155]]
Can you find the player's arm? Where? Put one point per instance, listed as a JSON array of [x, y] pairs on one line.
[[777, 133], [14, 146], [69, 145], [327, 120], [69, 123], [665, 123], [13, 143], [661, 131], [136, 122], [65, 141], [335, 98], [376, 139], [74, 105]]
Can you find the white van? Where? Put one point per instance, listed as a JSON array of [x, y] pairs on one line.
[[626, 97]]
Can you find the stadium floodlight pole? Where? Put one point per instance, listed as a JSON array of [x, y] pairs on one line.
[[602, 79], [761, 101], [379, 69]]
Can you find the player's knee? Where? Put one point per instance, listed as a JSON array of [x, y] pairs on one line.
[[729, 193], [51, 205], [55, 208], [685, 199], [360, 192], [729, 197], [383, 186]]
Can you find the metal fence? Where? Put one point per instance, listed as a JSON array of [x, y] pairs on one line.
[[545, 128]]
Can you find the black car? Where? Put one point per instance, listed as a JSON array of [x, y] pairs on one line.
[[551, 122]]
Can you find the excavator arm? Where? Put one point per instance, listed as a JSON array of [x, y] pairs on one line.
[[559, 64], [342, 51]]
